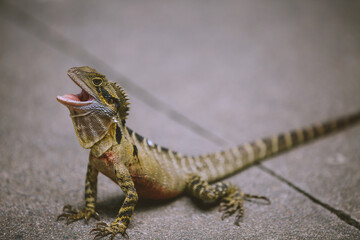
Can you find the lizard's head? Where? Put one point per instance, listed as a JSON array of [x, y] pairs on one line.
[[99, 104]]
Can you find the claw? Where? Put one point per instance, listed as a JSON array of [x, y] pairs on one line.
[[71, 215], [224, 215], [102, 230], [100, 225], [112, 236], [233, 203], [61, 216], [249, 197], [96, 216], [237, 219], [70, 220], [101, 234], [95, 229], [68, 208], [97, 235], [224, 207], [125, 235]]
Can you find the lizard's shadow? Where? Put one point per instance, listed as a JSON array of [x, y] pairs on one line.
[[111, 205], [204, 207]]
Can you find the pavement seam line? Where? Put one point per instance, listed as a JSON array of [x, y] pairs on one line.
[[339, 213]]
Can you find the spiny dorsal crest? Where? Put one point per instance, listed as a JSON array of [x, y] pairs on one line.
[[123, 104]]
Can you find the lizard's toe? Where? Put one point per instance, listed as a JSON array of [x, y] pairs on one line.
[[71, 215], [229, 206], [234, 203], [102, 230]]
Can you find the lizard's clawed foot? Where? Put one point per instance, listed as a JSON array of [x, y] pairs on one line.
[[231, 204], [71, 214], [234, 202], [103, 230]]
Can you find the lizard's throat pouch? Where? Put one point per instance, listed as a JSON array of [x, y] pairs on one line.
[[90, 125]]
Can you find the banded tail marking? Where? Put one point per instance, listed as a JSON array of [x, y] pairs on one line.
[[238, 158], [231, 160], [191, 164], [210, 166], [221, 163], [250, 156], [296, 137], [249, 153], [262, 148]]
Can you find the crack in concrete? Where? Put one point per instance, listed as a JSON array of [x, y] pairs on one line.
[[340, 214]]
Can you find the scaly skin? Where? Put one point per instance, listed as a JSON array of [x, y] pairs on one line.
[[144, 169]]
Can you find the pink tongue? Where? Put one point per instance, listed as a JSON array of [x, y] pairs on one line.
[[71, 97]]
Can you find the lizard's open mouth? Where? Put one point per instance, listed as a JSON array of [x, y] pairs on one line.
[[78, 100]]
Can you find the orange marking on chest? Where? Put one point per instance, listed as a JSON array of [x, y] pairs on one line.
[[108, 158]]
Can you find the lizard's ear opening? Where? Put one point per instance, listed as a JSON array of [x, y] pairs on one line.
[[122, 102]]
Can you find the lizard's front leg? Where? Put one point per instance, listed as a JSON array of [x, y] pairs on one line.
[[122, 221], [70, 213]]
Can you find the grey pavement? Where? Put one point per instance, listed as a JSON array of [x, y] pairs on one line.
[[201, 76]]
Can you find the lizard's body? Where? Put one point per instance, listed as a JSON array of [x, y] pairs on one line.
[[142, 168], [147, 164]]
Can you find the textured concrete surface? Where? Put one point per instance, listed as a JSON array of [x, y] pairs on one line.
[[201, 75]]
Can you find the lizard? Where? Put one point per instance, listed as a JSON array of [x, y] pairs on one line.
[[144, 169]]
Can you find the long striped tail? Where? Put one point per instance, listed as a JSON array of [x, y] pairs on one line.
[[221, 164]]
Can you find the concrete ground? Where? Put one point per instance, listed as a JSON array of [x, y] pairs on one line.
[[201, 76]]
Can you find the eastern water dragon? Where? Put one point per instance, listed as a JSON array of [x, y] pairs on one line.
[[143, 169]]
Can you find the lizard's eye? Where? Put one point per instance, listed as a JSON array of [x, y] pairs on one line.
[[97, 81]]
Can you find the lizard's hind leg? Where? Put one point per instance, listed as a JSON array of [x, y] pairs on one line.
[[231, 197]]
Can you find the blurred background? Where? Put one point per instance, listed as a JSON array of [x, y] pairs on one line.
[[201, 76]]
